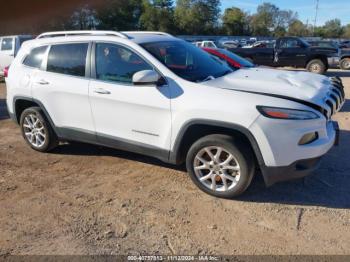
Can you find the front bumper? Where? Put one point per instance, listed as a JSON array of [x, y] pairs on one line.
[[299, 168], [296, 170], [333, 61]]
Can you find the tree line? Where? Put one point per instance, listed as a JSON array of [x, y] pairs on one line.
[[193, 17]]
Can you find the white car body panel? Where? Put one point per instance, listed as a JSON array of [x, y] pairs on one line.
[[66, 99], [135, 113], [299, 85]]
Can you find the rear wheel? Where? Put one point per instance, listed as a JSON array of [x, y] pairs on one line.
[[220, 166], [316, 66], [345, 64], [37, 131]]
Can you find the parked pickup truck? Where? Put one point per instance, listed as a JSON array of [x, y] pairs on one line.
[[294, 52]]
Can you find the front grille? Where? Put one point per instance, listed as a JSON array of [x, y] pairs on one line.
[[329, 103], [335, 99]]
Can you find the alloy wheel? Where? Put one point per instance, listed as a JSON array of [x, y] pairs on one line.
[[34, 130], [216, 168], [315, 68]]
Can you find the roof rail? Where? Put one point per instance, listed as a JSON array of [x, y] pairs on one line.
[[77, 33], [146, 32]]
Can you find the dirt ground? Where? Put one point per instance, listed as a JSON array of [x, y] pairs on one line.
[[84, 199]]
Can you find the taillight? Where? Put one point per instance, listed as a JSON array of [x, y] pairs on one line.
[[6, 71]]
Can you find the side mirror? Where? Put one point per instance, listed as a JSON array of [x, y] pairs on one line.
[[146, 77]]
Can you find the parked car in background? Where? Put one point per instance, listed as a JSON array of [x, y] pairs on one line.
[[9, 46], [230, 44], [154, 94], [233, 60], [294, 52], [210, 44]]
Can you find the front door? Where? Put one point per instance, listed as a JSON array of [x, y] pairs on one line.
[[127, 114], [290, 53]]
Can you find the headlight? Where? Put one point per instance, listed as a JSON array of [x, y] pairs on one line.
[[285, 113]]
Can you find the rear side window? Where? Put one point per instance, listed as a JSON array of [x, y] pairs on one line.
[[35, 58], [69, 59], [7, 44]]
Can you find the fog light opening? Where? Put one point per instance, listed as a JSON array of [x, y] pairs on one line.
[[308, 138]]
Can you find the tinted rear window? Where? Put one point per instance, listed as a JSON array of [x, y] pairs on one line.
[[35, 58], [69, 59]]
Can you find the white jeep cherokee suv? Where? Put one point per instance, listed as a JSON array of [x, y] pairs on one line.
[[154, 94]]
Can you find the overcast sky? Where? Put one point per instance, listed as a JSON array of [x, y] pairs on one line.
[[328, 9]]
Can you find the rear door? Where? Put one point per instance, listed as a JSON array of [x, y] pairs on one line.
[[7, 51], [63, 89]]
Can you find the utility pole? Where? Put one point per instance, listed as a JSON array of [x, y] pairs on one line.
[[316, 13]]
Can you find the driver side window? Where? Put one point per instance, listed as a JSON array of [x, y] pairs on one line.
[[117, 63]]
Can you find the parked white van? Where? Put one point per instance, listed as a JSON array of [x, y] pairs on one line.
[[9, 46]]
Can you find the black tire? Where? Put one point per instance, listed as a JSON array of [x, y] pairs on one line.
[[242, 155], [345, 63], [316, 66], [50, 139]]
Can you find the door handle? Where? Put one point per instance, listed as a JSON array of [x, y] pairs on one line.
[[43, 82], [102, 91]]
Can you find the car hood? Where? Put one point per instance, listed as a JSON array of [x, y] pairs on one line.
[[304, 86]]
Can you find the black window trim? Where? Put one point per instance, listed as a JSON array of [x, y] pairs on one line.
[[93, 63], [87, 59]]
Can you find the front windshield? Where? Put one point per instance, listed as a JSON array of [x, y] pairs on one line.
[[240, 60], [187, 61]]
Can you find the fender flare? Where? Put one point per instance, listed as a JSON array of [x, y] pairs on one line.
[[42, 107], [175, 152]]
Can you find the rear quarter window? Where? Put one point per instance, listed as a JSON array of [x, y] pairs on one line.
[[35, 57], [69, 59]]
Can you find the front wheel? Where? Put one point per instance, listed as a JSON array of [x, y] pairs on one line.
[[316, 66], [220, 166], [345, 64]]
